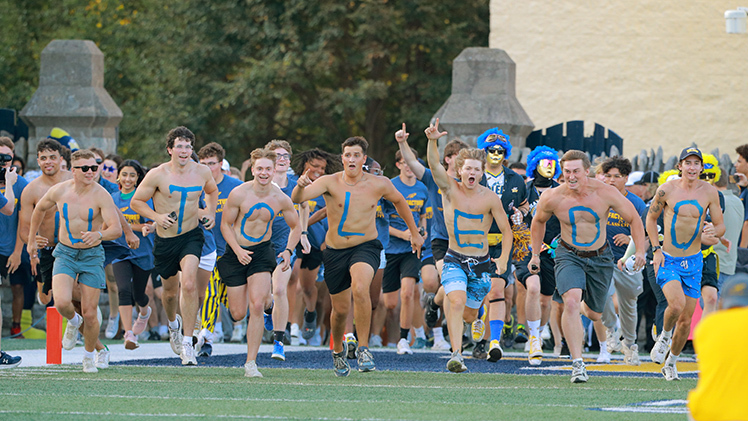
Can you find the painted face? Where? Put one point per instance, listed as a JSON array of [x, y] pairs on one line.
[[495, 155], [546, 168], [109, 170], [317, 168], [128, 179], [263, 171], [50, 162], [471, 173]]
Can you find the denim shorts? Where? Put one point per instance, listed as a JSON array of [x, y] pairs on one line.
[[467, 273]]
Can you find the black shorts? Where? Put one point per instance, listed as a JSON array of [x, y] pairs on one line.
[[156, 279], [338, 263], [168, 252], [399, 266], [21, 276], [495, 252], [428, 261], [310, 261], [439, 248], [547, 273], [235, 274], [44, 270], [709, 275]]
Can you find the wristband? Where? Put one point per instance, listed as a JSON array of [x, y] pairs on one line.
[[290, 253], [101, 236], [305, 232], [536, 254]]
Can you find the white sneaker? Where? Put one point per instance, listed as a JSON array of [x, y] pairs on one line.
[[71, 336], [295, 334], [403, 347], [535, 357], [102, 358], [545, 334], [613, 339], [441, 345], [579, 372], [89, 366], [188, 354], [631, 354], [112, 327], [456, 364], [604, 357], [527, 346], [175, 337], [250, 370], [236, 334], [670, 372], [375, 341], [201, 337], [659, 350]]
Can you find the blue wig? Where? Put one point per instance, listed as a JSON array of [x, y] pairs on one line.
[[538, 154], [502, 140]]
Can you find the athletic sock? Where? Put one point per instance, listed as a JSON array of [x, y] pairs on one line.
[[667, 334], [279, 335], [496, 327], [578, 360], [438, 334], [173, 324], [404, 333], [76, 320], [420, 332], [603, 347], [534, 326], [672, 359], [309, 316], [87, 354], [187, 340]]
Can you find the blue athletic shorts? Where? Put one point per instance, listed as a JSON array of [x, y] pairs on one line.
[[467, 273], [686, 270], [87, 265]]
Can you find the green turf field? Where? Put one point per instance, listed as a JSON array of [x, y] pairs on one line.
[[122, 392]]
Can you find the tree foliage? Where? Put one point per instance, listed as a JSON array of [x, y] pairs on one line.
[[244, 72]]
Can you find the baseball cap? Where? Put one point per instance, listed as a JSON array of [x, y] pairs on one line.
[[735, 291], [648, 177], [225, 166], [634, 178], [64, 138], [685, 153]]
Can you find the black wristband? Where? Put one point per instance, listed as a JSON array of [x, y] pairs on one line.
[[290, 253], [305, 232]]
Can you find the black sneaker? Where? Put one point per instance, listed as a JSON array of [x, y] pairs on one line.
[[522, 335], [8, 361], [479, 352], [153, 335], [432, 312], [507, 336], [206, 350], [308, 327]]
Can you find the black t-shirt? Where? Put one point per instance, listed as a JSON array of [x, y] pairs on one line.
[[552, 226], [513, 193]]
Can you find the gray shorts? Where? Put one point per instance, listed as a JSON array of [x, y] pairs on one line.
[[87, 265], [590, 274]]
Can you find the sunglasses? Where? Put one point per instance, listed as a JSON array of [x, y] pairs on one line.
[[86, 168], [5, 157], [708, 176], [496, 150], [99, 161], [107, 168]]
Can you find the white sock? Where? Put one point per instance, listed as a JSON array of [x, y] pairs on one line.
[[87, 354], [218, 327], [438, 334], [76, 320], [534, 326], [187, 340], [173, 324], [667, 334], [603, 347], [420, 332], [672, 359], [578, 359]]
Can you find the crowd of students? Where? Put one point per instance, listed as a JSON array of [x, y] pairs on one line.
[[507, 253]]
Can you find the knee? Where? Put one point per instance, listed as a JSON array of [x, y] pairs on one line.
[[533, 289], [237, 314], [360, 292], [710, 297], [571, 307], [279, 292], [677, 304], [406, 295], [89, 316]]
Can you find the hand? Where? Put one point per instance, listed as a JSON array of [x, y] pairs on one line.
[[621, 239], [243, 256], [708, 229], [306, 248], [620, 264], [164, 221], [405, 235], [304, 180], [401, 135], [517, 217], [416, 241], [91, 238], [132, 240], [742, 180], [148, 229], [639, 261], [657, 260], [727, 243], [10, 176], [41, 242], [433, 133], [501, 264], [286, 256], [14, 260], [208, 221], [533, 265]]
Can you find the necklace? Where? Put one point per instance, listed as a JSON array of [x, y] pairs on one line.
[[348, 184]]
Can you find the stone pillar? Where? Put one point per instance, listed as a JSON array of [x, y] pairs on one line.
[[71, 96], [483, 97]]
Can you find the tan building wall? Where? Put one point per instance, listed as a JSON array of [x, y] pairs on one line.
[[657, 72]]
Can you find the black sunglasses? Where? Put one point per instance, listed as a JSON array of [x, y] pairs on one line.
[[5, 157], [98, 161], [86, 168], [496, 150], [708, 176]]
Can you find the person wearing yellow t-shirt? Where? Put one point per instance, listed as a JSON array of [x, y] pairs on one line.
[[722, 388]]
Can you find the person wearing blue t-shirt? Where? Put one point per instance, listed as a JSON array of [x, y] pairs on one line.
[[211, 155], [615, 171], [403, 266], [132, 272]]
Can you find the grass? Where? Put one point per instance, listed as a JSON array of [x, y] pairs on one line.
[[122, 392]]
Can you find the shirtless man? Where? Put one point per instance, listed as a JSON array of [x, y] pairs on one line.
[[48, 157], [87, 217], [584, 261], [353, 251], [175, 187], [469, 210], [678, 262], [250, 258]]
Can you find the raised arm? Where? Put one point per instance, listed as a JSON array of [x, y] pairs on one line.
[[401, 136], [401, 205], [441, 178]]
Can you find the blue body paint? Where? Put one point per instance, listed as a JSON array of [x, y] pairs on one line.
[[67, 223], [459, 232], [182, 200], [574, 225], [249, 213], [344, 217], [686, 245]]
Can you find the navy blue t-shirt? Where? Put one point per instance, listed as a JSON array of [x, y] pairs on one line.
[[416, 196], [616, 225]]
